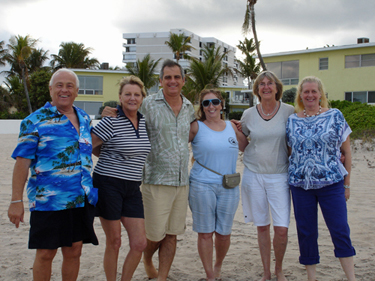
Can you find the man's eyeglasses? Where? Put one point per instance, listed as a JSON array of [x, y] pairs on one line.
[[214, 102]]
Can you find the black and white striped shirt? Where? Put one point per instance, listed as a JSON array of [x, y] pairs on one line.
[[124, 148]]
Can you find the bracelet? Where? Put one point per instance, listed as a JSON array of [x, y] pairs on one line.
[[346, 186], [16, 201]]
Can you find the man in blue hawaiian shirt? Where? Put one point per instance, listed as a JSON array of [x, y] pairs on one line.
[[55, 143]]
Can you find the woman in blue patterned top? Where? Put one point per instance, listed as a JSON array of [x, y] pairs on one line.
[[118, 176], [317, 137]]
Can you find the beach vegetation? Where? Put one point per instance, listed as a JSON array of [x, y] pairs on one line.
[[145, 70], [206, 73], [360, 117], [248, 67], [18, 53], [289, 96], [249, 24], [73, 55], [180, 45]]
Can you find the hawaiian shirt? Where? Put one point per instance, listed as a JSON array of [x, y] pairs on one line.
[[61, 159], [167, 163], [315, 142]]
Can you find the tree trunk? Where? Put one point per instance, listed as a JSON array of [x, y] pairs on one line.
[[252, 14], [26, 90], [251, 98]]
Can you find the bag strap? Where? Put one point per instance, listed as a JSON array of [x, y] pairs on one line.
[[208, 168]]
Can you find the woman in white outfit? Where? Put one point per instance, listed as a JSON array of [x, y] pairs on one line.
[[264, 187]]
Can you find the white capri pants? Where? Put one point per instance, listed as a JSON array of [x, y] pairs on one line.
[[262, 193]]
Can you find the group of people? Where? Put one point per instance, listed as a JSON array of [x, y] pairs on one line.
[[141, 179]]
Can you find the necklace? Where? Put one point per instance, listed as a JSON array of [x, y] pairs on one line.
[[319, 111], [268, 114]]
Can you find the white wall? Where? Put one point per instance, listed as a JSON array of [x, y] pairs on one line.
[[13, 126]]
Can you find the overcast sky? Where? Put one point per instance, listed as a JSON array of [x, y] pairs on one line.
[[281, 25]]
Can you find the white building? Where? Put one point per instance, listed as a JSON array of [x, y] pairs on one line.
[[138, 45]]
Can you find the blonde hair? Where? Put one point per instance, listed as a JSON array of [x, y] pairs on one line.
[[132, 80], [298, 104]]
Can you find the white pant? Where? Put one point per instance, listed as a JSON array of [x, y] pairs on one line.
[[262, 192]]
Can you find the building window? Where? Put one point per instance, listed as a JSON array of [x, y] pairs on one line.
[[323, 63], [90, 85], [130, 41], [286, 71], [90, 107], [362, 96], [240, 97], [131, 49], [129, 57], [360, 60]]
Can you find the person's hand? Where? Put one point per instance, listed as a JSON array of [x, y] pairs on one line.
[[342, 158], [347, 193], [15, 213], [238, 124], [109, 112]]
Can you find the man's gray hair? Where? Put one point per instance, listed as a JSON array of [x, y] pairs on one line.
[[66, 71]]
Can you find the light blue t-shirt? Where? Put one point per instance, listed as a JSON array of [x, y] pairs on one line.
[[315, 142], [215, 150]]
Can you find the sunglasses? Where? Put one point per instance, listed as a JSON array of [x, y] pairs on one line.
[[214, 102]]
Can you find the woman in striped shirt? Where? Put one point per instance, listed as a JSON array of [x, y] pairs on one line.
[[118, 175]]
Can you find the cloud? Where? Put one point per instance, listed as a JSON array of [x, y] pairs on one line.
[[282, 25]]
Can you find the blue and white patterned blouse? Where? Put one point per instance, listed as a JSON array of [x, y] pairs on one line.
[[61, 159], [315, 142]]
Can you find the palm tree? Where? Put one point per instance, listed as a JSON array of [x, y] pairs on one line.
[[207, 73], [145, 70], [179, 44], [15, 88], [248, 67], [247, 46], [246, 26], [19, 50], [3, 52], [73, 55], [36, 60]]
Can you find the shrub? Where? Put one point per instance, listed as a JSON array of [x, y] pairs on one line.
[[289, 95], [16, 115], [360, 117], [110, 103], [235, 115]]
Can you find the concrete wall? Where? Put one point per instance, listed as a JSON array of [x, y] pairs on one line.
[[13, 126]]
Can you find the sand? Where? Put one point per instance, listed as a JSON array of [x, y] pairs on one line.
[[243, 260]]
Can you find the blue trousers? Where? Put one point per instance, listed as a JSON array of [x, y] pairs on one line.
[[332, 202]]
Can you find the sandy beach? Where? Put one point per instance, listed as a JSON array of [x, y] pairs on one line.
[[242, 262]]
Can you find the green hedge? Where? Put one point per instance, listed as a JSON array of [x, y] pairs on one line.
[[360, 117], [17, 115], [235, 115]]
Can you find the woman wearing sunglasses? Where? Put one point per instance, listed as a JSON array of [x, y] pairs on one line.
[[264, 186], [215, 145]]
